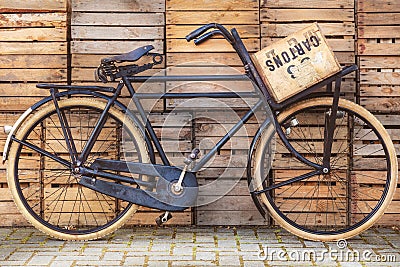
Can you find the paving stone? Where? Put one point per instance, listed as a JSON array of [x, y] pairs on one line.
[[227, 243], [113, 256], [134, 261], [12, 263], [194, 263], [157, 264], [61, 263], [206, 256], [249, 247], [253, 263], [20, 256], [161, 247], [229, 261], [5, 252], [41, 260]]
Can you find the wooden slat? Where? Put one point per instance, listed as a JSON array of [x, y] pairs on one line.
[[382, 104], [307, 4], [234, 203], [19, 89], [379, 31], [212, 5], [387, 91], [378, 6], [292, 15], [48, 75], [117, 33], [119, 19], [119, 6], [378, 18], [32, 6], [33, 61], [380, 78], [17, 103], [33, 34], [384, 62], [381, 49], [35, 48], [204, 17], [33, 20], [249, 217], [227, 187]]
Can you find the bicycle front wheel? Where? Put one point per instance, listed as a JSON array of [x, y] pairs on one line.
[[356, 191], [47, 193]]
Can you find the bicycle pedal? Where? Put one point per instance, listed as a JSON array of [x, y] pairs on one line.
[[163, 218]]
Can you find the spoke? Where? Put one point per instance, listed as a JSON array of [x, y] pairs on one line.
[[55, 138], [90, 209]]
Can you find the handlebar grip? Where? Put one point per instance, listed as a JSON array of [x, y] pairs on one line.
[[199, 31]]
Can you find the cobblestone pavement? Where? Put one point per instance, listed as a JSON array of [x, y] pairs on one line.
[[198, 246]]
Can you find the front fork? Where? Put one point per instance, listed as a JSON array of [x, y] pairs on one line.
[[329, 129], [330, 124]]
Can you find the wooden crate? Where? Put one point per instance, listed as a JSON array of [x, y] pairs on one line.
[[295, 63], [33, 48], [378, 49]]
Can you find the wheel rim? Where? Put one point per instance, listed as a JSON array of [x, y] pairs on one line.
[[62, 205], [360, 184]]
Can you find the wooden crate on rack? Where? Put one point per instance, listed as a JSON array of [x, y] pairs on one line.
[[296, 62]]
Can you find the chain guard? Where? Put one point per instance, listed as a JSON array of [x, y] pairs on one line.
[[163, 198]]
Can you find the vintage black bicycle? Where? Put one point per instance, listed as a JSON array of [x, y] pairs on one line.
[[335, 174]]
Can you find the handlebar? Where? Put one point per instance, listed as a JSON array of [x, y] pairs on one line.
[[220, 30], [196, 33], [206, 36]]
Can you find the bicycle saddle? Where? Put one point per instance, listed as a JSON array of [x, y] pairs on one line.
[[131, 56]]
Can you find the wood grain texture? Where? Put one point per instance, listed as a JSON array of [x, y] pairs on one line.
[[33, 5], [119, 19], [307, 4], [202, 5], [119, 6]]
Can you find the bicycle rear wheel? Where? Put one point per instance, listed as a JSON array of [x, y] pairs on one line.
[[47, 193], [344, 202]]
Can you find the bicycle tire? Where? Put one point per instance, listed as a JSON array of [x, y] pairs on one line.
[[361, 183], [36, 181]]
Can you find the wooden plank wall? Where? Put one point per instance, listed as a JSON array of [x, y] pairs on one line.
[[378, 52], [210, 125], [35, 43], [33, 48]]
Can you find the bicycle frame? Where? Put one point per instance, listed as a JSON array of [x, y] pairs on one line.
[[259, 90]]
